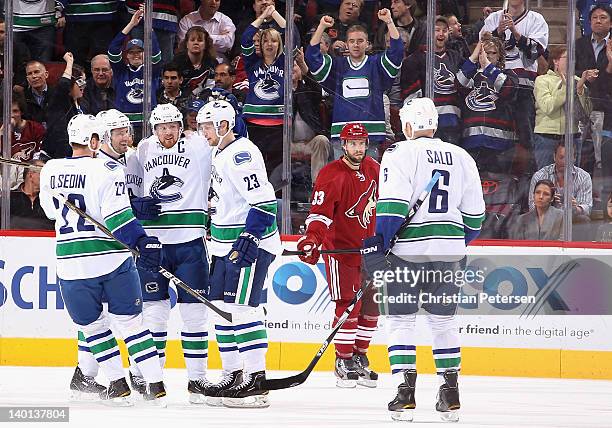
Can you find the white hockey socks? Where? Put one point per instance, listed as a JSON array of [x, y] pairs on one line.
[[87, 363], [401, 340], [103, 346], [251, 336], [194, 339], [446, 347], [228, 348], [156, 315], [140, 346]]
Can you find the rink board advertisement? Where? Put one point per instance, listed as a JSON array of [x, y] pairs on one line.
[[300, 313]]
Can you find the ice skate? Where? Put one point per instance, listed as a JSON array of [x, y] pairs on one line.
[[85, 388], [156, 394], [402, 406], [448, 397], [367, 377], [138, 384], [346, 373], [197, 390], [248, 393], [214, 390], [117, 394]]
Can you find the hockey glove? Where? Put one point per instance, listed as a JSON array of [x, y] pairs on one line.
[[310, 246], [373, 253], [244, 250], [146, 208], [149, 248]]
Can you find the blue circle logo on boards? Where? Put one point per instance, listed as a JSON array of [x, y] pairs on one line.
[[281, 279]]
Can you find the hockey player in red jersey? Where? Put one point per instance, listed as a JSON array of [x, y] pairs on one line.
[[342, 214]]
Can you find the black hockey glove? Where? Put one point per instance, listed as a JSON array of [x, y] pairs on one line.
[[373, 253], [149, 248], [244, 250], [146, 208]]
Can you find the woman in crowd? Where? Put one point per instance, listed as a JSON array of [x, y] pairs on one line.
[[263, 107], [544, 222], [488, 91], [196, 60], [66, 102], [549, 92]]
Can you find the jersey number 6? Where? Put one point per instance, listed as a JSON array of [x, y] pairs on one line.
[[438, 198]]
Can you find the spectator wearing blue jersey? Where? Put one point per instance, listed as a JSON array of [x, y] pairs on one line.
[[128, 76], [264, 105]]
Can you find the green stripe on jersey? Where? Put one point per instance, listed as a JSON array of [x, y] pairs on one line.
[[230, 234], [432, 231], [322, 72], [166, 220], [247, 50], [134, 117], [372, 127], [392, 207], [473, 222], [120, 219], [91, 8], [34, 21], [263, 110], [390, 68], [87, 247], [271, 207]]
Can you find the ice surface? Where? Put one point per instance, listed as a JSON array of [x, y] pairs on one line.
[[486, 402]]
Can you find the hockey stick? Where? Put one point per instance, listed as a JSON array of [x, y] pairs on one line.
[[335, 251], [298, 379], [19, 163], [225, 315]]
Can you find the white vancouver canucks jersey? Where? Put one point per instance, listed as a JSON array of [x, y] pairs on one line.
[[96, 186], [454, 202], [179, 177], [240, 182]]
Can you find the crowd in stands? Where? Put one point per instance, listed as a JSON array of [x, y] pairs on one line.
[[498, 84]]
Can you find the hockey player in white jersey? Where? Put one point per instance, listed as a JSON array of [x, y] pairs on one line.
[[90, 265], [244, 241], [434, 241], [176, 170]]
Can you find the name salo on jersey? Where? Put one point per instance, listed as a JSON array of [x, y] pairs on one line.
[[239, 183], [96, 186], [455, 202], [179, 177]]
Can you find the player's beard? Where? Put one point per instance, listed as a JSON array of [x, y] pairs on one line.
[[355, 161]]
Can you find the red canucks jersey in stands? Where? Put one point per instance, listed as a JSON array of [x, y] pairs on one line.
[[343, 210]]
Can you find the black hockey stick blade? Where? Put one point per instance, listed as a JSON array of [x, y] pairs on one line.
[[300, 378], [225, 315]]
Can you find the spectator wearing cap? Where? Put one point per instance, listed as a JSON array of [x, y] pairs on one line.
[[66, 102], [99, 91], [171, 92], [165, 24], [128, 76], [219, 26], [191, 112]]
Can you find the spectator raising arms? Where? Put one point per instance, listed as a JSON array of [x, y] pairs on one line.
[[544, 221], [264, 104], [66, 102], [488, 91], [196, 61], [128, 76], [358, 80]]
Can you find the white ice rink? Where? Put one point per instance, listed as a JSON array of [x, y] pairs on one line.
[[486, 402]]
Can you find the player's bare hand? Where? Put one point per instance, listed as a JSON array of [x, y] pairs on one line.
[[385, 16], [326, 21]]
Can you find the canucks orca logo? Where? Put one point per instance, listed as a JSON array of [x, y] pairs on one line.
[[161, 184], [481, 98], [267, 88], [444, 80], [135, 95]]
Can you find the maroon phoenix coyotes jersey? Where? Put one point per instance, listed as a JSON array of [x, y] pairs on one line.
[[343, 210]]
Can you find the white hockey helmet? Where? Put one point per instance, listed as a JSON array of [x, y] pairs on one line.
[[420, 113], [112, 119], [217, 112], [166, 113], [81, 129]]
